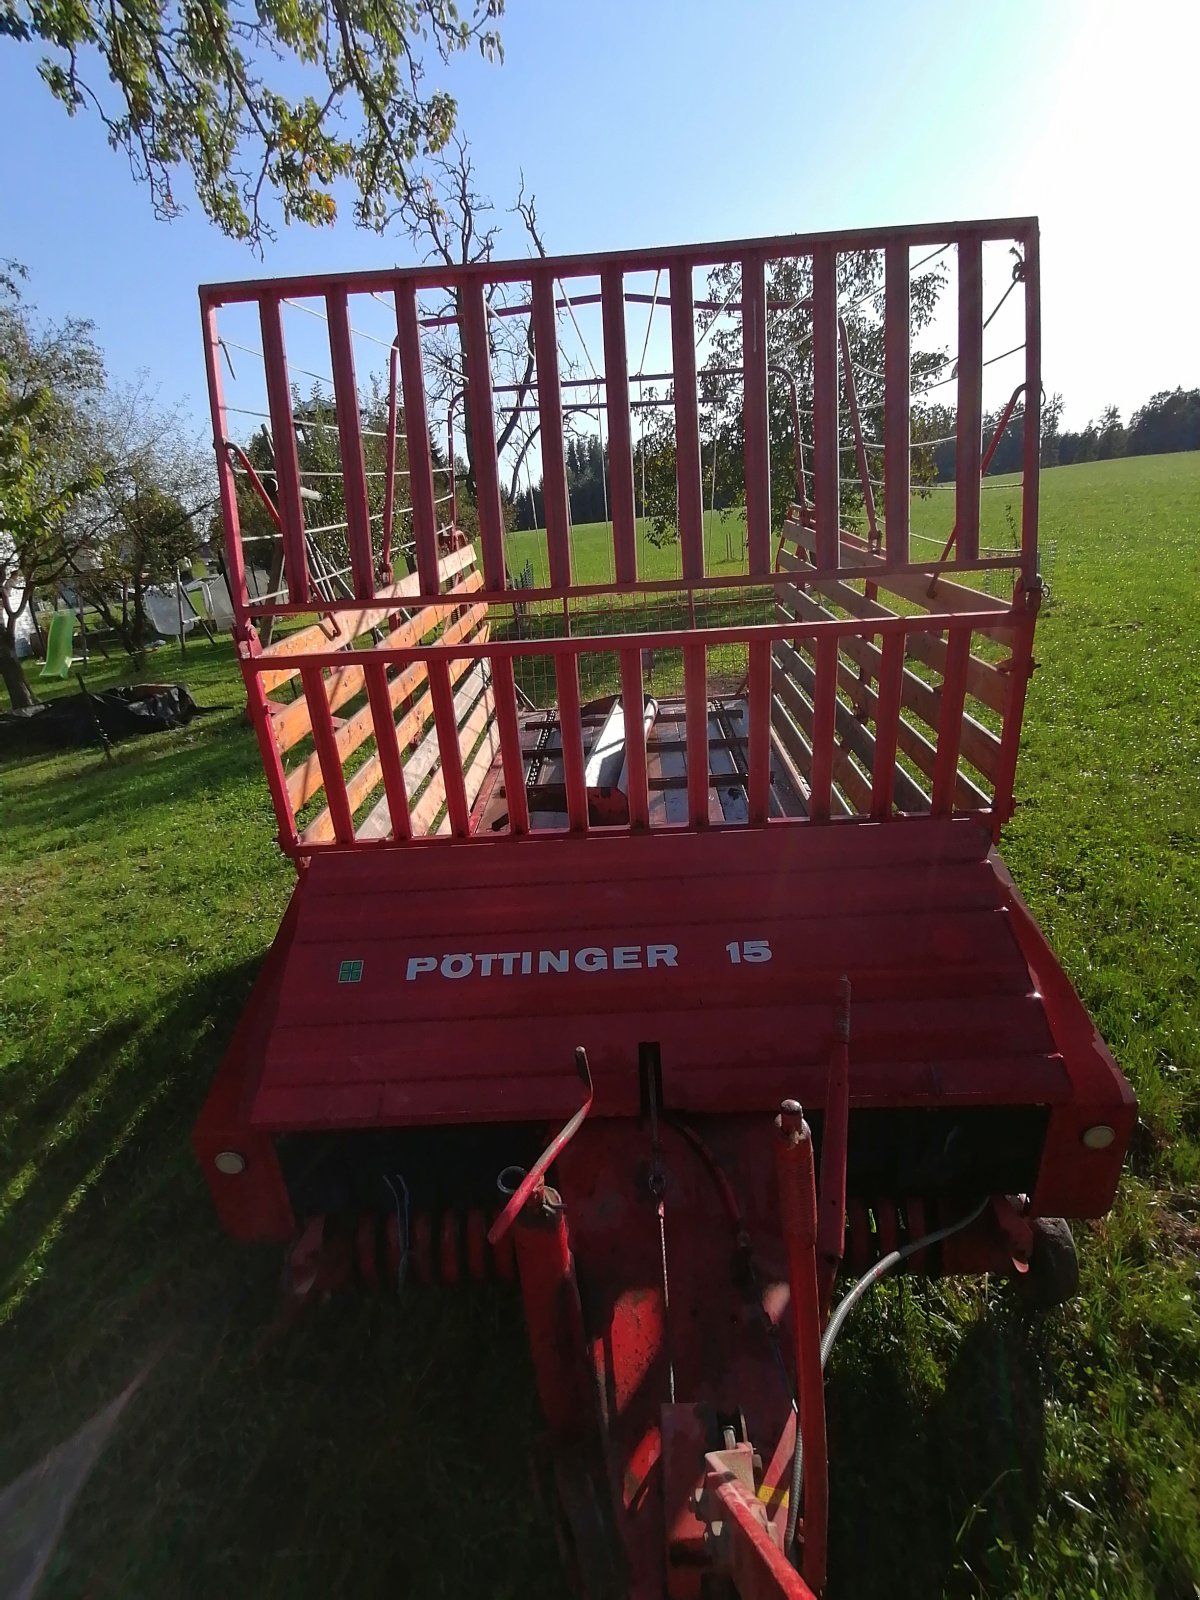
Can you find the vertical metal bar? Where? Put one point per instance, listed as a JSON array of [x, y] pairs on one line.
[[557, 508], [349, 424], [826, 486], [1032, 452], [481, 415], [235, 565], [1010, 735], [758, 698], [416, 433], [633, 703], [754, 377], [860, 449], [325, 742], [969, 424], [887, 724], [283, 446], [695, 690], [824, 707], [446, 721], [687, 421], [570, 732], [897, 401], [384, 722], [566, 674], [620, 444], [389, 469], [949, 733], [259, 709], [505, 695]]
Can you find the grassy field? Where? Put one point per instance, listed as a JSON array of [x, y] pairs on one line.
[[380, 1447]]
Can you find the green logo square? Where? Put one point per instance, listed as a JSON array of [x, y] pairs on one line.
[[350, 972]]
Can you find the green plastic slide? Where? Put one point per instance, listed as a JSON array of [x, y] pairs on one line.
[[60, 645]]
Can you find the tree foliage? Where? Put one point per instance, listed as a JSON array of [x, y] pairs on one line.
[[143, 521], [213, 88], [790, 359], [452, 223], [48, 376]]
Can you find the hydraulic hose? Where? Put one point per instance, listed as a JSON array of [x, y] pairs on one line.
[[837, 1321]]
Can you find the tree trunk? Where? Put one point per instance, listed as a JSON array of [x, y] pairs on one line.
[[20, 694]]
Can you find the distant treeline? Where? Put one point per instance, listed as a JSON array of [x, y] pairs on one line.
[[1169, 421]]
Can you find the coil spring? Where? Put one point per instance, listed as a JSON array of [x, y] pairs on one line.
[[450, 1247]]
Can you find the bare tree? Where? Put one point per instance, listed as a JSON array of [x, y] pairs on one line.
[[450, 221]]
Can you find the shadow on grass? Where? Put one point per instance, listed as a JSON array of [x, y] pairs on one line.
[[345, 1459], [922, 1490], [159, 770]]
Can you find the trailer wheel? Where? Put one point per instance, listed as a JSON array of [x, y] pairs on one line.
[[1053, 1275]]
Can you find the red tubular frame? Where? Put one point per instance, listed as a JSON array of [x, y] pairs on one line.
[[416, 432], [798, 1213], [896, 423], [622, 503], [826, 466], [754, 364], [837, 555], [969, 422], [354, 479], [287, 461], [687, 422]]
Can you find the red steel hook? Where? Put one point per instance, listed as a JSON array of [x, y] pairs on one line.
[[533, 1178]]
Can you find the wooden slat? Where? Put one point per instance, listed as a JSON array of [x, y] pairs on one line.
[[687, 421], [856, 789], [980, 746], [306, 778], [620, 450], [290, 720], [851, 731], [896, 384], [789, 706], [416, 724], [340, 627]]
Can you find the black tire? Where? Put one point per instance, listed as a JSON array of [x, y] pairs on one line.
[[1053, 1275]]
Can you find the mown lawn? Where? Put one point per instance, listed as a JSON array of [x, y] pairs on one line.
[[380, 1447]]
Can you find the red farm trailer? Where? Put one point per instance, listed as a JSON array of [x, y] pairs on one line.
[[649, 945]]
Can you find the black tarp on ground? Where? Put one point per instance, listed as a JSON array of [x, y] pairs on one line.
[[89, 719]]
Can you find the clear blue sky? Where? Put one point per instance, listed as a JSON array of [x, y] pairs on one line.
[[658, 121]]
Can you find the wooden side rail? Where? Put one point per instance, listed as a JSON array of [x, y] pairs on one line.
[[937, 713], [368, 737]]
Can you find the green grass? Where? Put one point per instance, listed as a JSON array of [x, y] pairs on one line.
[[380, 1447]]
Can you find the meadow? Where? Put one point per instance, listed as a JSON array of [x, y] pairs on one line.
[[380, 1446]]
